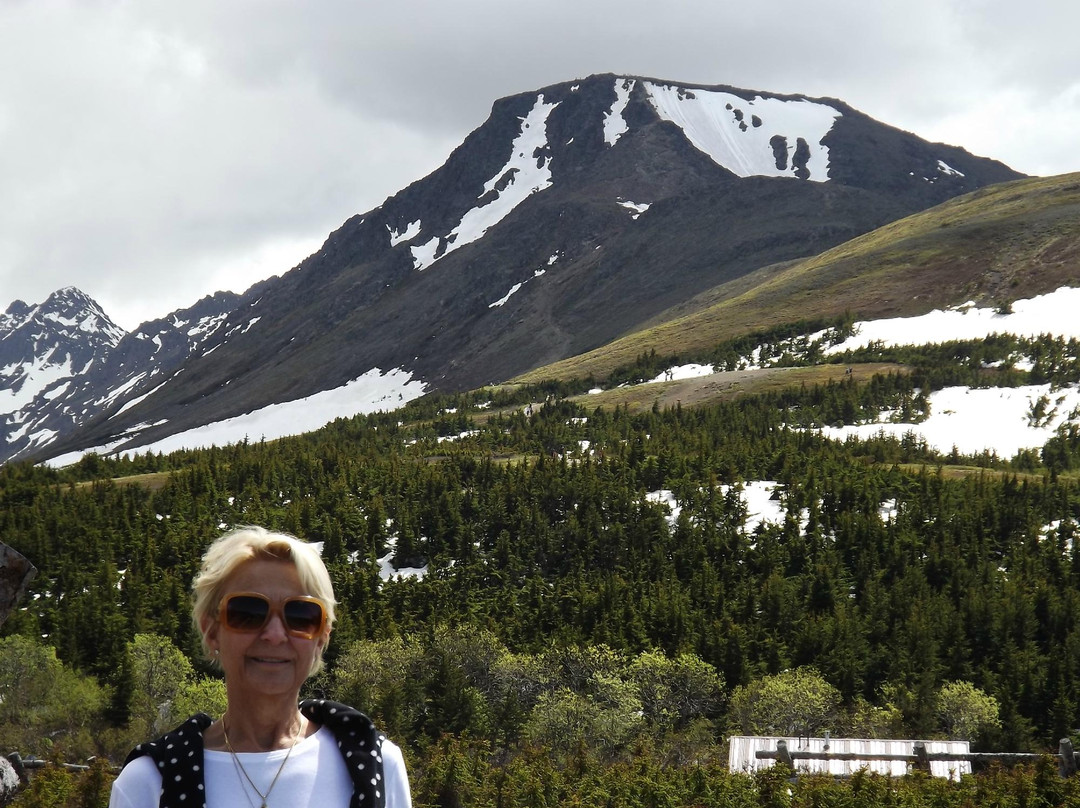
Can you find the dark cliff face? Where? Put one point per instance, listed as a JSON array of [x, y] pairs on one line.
[[868, 154], [573, 214]]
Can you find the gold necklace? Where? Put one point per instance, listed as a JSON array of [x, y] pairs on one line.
[[243, 771]]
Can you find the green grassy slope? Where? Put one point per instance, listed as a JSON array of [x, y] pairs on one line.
[[998, 244]]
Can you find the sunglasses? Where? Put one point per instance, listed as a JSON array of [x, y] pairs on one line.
[[249, 612]]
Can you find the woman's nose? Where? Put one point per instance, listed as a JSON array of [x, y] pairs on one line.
[[274, 630]]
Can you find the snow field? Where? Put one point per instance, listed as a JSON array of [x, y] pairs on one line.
[[372, 392], [710, 122]]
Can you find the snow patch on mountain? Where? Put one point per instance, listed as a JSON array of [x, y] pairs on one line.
[[204, 327], [945, 168], [527, 172], [745, 136], [411, 231], [502, 300], [116, 392], [37, 376], [424, 255], [42, 437], [517, 286], [129, 404], [242, 328], [1052, 313], [615, 124], [636, 208], [973, 420], [372, 392]]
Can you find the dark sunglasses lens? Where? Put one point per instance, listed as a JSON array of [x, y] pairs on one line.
[[303, 616], [246, 613]]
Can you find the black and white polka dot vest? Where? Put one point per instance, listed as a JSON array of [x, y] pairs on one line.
[[179, 755]]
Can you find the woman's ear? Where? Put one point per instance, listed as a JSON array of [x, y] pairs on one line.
[[208, 626]]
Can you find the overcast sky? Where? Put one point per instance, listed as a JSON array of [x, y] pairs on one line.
[[155, 151]]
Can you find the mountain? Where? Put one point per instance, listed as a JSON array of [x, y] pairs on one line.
[[572, 216], [65, 361], [42, 349]]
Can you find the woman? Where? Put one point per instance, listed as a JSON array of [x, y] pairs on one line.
[[264, 606]]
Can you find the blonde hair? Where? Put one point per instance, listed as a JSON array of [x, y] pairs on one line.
[[252, 543]]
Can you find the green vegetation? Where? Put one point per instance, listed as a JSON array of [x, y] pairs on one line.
[[574, 640]]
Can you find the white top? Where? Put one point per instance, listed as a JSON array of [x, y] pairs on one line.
[[314, 776]]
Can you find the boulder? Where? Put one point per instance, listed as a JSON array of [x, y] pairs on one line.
[[16, 573]]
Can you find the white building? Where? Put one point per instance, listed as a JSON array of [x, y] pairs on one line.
[[845, 755]]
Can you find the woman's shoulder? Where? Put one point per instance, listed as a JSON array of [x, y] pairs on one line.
[[333, 713], [188, 735], [395, 777], [139, 783], [359, 740]]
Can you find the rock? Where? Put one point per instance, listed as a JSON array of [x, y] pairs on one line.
[[9, 781], [15, 576]]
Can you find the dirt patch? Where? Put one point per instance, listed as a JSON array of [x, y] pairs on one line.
[[729, 385]]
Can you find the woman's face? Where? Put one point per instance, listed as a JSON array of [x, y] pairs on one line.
[[269, 661]]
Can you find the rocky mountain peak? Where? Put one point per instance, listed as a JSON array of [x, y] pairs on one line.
[[68, 317], [64, 361]]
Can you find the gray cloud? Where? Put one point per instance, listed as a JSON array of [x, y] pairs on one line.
[[153, 152]]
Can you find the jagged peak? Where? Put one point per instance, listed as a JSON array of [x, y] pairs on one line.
[[68, 308]]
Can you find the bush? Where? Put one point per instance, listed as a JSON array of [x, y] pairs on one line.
[[795, 702], [45, 706]]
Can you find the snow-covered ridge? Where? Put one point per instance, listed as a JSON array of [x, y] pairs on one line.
[[36, 377], [64, 361], [769, 137], [44, 348], [65, 311]]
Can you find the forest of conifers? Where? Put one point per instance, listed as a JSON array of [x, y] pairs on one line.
[[571, 632]]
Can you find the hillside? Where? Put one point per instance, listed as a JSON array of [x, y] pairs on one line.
[[608, 578], [993, 246], [538, 533]]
